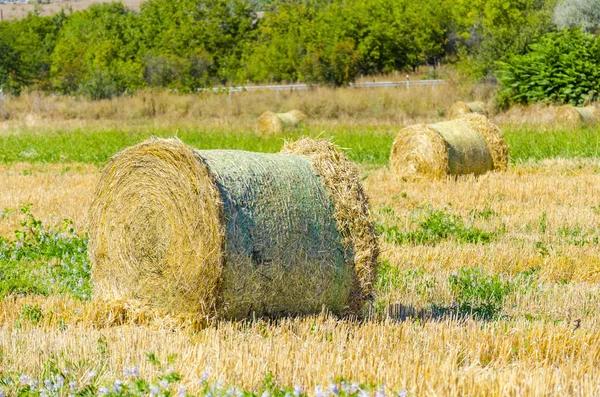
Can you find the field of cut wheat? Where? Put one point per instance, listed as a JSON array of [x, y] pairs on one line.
[[485, 285]]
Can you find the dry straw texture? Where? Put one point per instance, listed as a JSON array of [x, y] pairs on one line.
[[459, 109], [219, 233], [342, 179], [469, 145], [271, 123], [573, 117]]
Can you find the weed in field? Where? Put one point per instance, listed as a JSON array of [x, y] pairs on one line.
[[437, 226], [44, 260], [479, 294]]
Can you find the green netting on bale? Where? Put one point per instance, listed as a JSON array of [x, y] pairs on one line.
[[283, 251]]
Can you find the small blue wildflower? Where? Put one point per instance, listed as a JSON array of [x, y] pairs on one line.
[[33, 384], [181, 391], [73, 385], [319, 391], [205, 375], [118, 386], [103, 391], [380, 391], [48, 384], [23, 379], [334, 389], [59, 382], [135, 371], [154, 390], [402, 393], [91, 375], [164, 383], [297, 390]]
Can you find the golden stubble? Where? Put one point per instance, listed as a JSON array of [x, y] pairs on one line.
[[546, 345], [56, 191]]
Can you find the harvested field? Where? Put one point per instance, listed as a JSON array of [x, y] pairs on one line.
[[486, 285]]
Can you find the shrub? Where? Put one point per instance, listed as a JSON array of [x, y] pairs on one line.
[[563, 67]]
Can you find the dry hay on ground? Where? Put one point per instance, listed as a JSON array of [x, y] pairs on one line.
[[231, 233], [469, 145], [459, 109], [574, 117], [276, 123]]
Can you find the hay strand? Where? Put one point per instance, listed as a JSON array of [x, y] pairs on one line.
[[469, 145], [574, 117], [459, 109], [220, 233]]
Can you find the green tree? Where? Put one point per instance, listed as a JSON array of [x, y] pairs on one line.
[[26, 46], [97, 53]]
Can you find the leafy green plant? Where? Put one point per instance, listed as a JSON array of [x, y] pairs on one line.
[[43, 260], [479, 294], [437, 226]]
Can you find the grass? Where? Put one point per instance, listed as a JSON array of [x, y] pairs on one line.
[[81, 146], [364, 145]]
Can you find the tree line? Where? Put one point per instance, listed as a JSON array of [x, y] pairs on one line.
[[187, 45]]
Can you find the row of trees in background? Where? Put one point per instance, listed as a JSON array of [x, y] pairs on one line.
[[186, 45]]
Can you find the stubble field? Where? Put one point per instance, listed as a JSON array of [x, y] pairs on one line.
[[486, 286]]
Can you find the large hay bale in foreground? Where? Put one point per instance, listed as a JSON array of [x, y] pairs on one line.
[[229, 233], [276, 123], [574, 117], [459, 109], [469, 145]]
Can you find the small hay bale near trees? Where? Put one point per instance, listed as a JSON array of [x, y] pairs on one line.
[[573, 117], [276, 123], [225, 234], [459, 109], [469, 145]]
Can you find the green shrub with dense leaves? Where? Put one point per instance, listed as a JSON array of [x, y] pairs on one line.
[[563, 67]]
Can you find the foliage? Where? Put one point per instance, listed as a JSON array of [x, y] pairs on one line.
[[487, 31], [479, 294], [26, 47], [44, 261], [563, 67], [438, 225], [96, 52], [578, 13]]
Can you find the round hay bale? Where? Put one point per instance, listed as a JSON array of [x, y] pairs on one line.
[[469, 145], [459, 109], [271, 123], [223, 233], [573, 117]]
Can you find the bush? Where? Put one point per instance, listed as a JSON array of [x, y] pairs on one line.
[[563, 67]]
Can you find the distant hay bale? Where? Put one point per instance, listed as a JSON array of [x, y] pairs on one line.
[[270, 123], [227, 233], [459, 109], [469, 145], [574, 117]]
